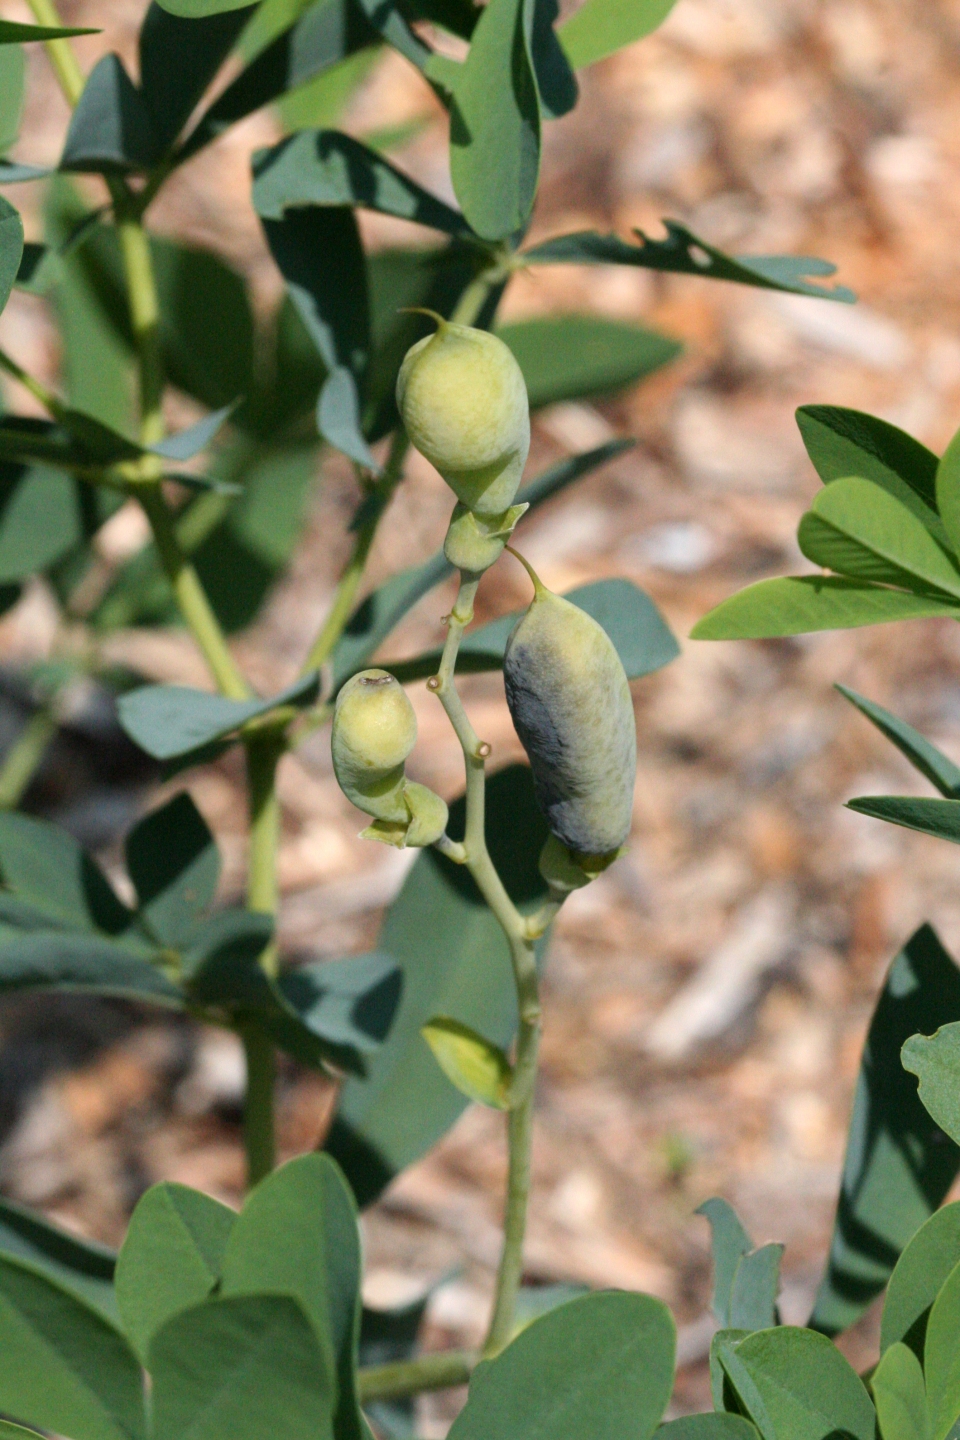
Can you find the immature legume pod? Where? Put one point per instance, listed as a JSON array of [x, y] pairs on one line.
[[571, 706], [464, 405]]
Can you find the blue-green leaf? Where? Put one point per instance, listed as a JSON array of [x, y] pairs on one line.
[[565, 357], [940, 818], [174, 864], [843, 442], [111, 130], [918, 1277], [899, 1395], [601, 27], [798, 604], [925, 757], [11, 248], [171, 720]]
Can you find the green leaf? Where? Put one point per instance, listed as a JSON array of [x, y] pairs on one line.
[[725, 1400], [174, 864], [556, 83], [381, 612], [717, 1426], [564, 357], [9, 1431], [899, 1395], [297, 1236], [941, 1359], [601, 27], [455, 961], [41, 959], [233, 1367], [940, 818], [917, 1279], [756, 1285], [495, 123], [935, 1060], [600, 1366], [798, 604], [41, 519], [178, 59], [110, 130], [318, 252], [12, 33], [63, 1366], [47, 869], [319, 103], [202, 9], [683, 253], [80, 1266], [860, 530], [11, 248], [480, 1070], [898, 1167], [171, 720], [796, 1385], [843, 442], [186, 444], [325, 167], [348, 1004], [11, 94], [948, 490], [925, 757], [628, 615], [730, 1242], [171, 1258]]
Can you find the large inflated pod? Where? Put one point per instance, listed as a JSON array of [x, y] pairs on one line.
[[374, 730], [463, 401], [570, 701]]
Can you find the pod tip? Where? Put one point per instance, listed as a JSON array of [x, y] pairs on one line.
[[538, 586]]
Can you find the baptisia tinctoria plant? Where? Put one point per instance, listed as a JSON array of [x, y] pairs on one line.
[[221, 1326]]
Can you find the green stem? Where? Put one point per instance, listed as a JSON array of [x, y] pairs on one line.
[[411, 1377], [39, 391], [144, 311], [62, 58], [23, 758], [190, 595], [258, 1128]]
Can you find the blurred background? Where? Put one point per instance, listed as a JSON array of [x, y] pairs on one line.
[[706, 999]]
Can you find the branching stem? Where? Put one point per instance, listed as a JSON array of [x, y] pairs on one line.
[[22, 760], [64, 61], [412, 1377]]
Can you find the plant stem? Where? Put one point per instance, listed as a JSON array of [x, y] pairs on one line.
[[476, 856], [144, 311], [258, 1128], [191, 596], [411, 1377], [62, 58], [23, 758], [38, 390]]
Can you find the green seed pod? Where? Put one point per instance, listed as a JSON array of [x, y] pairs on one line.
[[570, 701], [464, 406], [374, 730]]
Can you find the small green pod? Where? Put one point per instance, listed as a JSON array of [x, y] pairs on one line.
[[464, 405], [570, 701]]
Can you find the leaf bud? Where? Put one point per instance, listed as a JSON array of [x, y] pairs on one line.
[[475, 542], [570, 701], [374, 730], [464, 405]]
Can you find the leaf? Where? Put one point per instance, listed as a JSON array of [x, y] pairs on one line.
[[925, 757], [935, 1060], [756, 1285], [9, 1431], [63, 1366], [479, 1070], [188, 443], [171, 1258], [628, 615], [12, 33], [330, 294], [171, 720], [556, 83], [898, 1167], [11, 248], [796, 1385], [601, 27], [725, 1400], [899, 1395], [110, 130], [798, 604], [11, 94], [918, 1277], [233, 1366], [349, 1004], [888, 542], [10, 174], [202, 9], [495, 123], [321, 101], [41, 519], [948, 490], [600, 1366], [683, 253], [178, 59], [325, 167], [174, 864], [570, 356], [80, 1266], [455, 961], [941, 1359], [37, 959], [382, 611], [717, 1426], [843, 442], [47, 869], [940, 818], [730, 1243], [297, 1236]]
